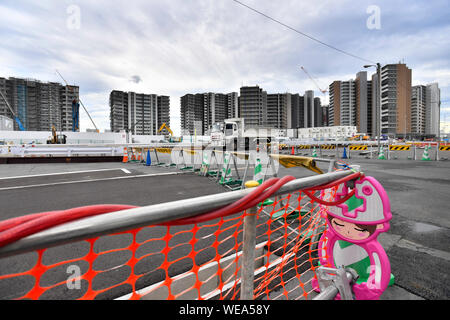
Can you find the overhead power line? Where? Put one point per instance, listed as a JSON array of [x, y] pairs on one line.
[[303, 34]]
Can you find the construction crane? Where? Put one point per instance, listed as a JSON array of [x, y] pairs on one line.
[[164, 125], [74, 106], [16, 118], [324, 91], [171, 138]]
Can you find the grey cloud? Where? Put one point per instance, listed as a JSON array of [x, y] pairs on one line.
[[135, 79]]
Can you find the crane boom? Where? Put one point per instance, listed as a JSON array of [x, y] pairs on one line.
[[79, 100], [16, 118], [164, 125], [312, 79]]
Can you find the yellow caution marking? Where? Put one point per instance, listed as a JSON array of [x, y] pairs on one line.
[[327, 147], [358, 147], [399, 148]]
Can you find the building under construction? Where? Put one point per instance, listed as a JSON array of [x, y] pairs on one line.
[[39, 105]]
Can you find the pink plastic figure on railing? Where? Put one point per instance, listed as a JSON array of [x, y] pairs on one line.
[[351, 237]]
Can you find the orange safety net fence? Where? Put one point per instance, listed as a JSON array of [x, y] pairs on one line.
[[193, 261]]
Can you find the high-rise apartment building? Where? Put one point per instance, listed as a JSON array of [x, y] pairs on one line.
[[200, 111], [253, 106], [191, 111], [139, 113], [418, 109], [308, 109], [297, 118], [39, 105], [318, 113], [363, 103], [433, 107], [351, 103], [396, 100], [279, 110], [342, 108]]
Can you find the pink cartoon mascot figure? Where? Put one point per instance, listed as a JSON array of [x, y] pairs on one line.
[[350, 240]]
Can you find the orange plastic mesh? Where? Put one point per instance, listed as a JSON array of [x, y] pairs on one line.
[[200, 261]]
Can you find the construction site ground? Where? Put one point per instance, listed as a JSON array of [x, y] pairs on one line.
[[417, 242]]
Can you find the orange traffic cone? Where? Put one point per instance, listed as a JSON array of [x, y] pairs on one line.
[[125, 155], [138, 158], [293, 151]]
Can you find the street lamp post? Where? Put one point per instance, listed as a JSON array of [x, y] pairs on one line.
[[377, 107]]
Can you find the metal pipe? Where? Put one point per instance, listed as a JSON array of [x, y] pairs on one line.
[[328, 294], [148, 215], [248, 250], [331, 291]]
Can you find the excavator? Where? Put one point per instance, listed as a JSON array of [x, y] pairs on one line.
[[169, 137], [57, 138]]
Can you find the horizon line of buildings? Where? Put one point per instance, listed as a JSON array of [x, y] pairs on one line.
[[406, 110]]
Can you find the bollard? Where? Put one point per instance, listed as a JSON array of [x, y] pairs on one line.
[[248, 250]]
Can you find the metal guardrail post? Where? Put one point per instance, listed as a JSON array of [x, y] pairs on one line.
[[340, 280], [248, 249]]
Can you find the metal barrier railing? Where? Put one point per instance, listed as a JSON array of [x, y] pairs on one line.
[[271, 268]]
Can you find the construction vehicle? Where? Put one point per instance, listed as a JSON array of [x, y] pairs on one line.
[[16, 118], [170, 136], [359, 137], [232, 133], [57, 138]]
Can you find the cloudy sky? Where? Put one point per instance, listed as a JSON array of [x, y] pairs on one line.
[[174, 47]]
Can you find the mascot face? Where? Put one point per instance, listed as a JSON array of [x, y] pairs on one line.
[[364, 215]]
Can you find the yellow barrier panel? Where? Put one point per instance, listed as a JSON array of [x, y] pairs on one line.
[[304, 147], [358, 147], [288, 161], [399, 148], [164, 150], [444, 148], [327, 147]]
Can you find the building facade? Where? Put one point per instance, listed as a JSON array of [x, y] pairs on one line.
[[363, 103], [253, 106], [200, 111], [418, 109], [39, 105], [396, 100], [342, 108], [139, 113], [351, 103], [433, 107], [279, 111]]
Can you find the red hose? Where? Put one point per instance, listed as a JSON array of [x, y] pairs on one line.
[[246, 202], [41, 221], [17, 228], [329, 204]]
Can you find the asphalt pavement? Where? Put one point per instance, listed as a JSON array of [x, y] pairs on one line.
[[417, 242]]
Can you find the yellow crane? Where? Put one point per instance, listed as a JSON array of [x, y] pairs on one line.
[[164, 125], [170, 137]]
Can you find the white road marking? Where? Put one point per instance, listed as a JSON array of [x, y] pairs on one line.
[[126, 171], [59, 173], [90, 180], [403, 243]]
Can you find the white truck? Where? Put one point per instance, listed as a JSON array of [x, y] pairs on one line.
[[232, 133]]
